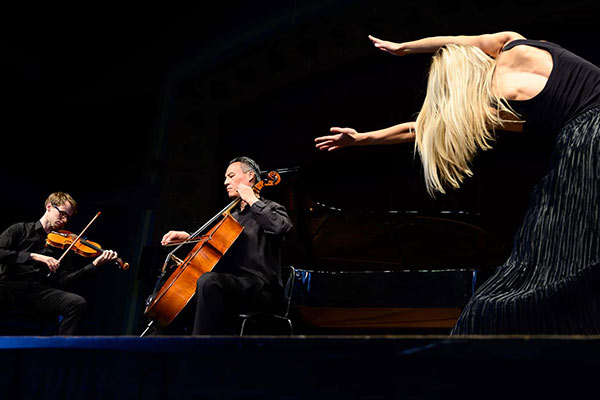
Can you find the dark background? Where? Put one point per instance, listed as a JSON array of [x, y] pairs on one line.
[[136, 110]]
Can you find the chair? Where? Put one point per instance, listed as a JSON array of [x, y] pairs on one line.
[[272, 323]]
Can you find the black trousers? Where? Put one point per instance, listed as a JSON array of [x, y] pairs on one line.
[[40, 298], [221, 297]]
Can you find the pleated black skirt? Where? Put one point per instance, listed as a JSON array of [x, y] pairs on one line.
[[551, 281]]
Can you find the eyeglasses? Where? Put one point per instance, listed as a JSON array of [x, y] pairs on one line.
[[63, 214]]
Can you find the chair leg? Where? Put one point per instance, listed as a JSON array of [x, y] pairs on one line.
[[268, 316]]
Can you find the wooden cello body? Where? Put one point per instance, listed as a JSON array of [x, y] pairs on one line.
[[168, 301]]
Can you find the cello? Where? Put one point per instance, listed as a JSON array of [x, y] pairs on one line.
[[166, 302]]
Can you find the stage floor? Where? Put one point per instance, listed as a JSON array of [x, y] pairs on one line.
[[307, 367]]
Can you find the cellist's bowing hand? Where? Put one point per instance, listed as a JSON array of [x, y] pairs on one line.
[[174, 236], [106, 256], [389, 47], [247, 194], [51, 262], [343, 137]]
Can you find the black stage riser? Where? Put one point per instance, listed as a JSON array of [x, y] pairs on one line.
[[298, 367]]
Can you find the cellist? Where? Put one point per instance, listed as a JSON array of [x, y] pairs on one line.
[[248, 276], [31, 276]]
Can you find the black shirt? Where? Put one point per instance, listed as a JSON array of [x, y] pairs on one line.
[[16, 245], [257, 250], [573, 87]]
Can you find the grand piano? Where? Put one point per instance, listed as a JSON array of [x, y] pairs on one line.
[[383, 272]]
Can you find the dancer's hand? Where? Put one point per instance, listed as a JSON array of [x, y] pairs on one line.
[[389, 47], [343, 137]]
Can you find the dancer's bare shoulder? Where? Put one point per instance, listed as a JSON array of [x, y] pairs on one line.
[[522, 72]]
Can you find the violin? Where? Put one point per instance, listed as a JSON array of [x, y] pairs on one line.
[[86, 248]]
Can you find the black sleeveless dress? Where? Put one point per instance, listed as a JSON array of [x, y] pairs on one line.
[[551, 281]]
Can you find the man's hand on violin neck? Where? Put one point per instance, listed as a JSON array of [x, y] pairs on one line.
[[106, 256], [247, 194], [174, 236], [51, 262]]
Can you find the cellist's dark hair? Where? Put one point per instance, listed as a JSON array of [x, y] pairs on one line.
[[248, 164]]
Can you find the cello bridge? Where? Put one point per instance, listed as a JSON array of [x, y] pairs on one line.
[[177, 260]]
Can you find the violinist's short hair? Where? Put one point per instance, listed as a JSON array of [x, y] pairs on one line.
[[248, 164], [60, 198]]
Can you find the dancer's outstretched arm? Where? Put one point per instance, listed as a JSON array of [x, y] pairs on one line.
[[345, 137], [491, 44]]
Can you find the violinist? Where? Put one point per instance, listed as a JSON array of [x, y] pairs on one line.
[[248, 276], [32, 278]]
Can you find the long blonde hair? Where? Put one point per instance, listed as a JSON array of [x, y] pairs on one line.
[[458, 116]]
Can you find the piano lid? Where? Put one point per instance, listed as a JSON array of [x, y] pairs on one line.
[[400, 240]]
